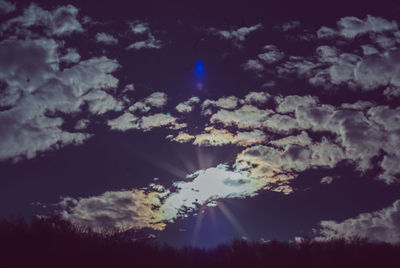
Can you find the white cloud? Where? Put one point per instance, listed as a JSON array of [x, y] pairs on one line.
[[156, 99], [124, 122], [229, 103], [156, 120], [59, 22], [253, 65], [327, 180], [36, 89], [272, 54], [237, 36], [247, 116], [138, 27], [256, 98], [6, 7], [150, 43], [351, 27], [187, 106], [82, 124], [116, 210], [106, 38], [379, 226]]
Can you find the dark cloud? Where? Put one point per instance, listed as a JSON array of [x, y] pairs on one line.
[[6, 7], [237, 36], [61, 21], [379, 226]]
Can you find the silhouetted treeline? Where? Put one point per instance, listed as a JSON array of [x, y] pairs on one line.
[[56, 243]]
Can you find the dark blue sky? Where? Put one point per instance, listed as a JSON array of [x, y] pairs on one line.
[[254, 86]]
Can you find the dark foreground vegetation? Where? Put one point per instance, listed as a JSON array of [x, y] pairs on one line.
[[56, 243]]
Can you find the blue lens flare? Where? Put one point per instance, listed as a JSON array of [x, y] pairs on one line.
[[199, 69]]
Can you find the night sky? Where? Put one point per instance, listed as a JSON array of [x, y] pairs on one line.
[[197, 122]]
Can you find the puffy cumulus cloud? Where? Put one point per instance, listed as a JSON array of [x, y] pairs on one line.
[[139, 106], [288, 26], [229, 103], [281, 123], [263, 164], [59, 22], [213, 137], [276, 167], [36, 89], [237, 36], [292, 102], [375, 67], [72, 56], [106, 38], [247, 116], [271, 55], [302, 139], [129, 121], [82, 124], [327, 180], [157, 120], [217, 137], [124, 122], [101, 102], [150, 43], [351, 27], [356, 132], [139, 27], [142, 28], [117, 210], [182, 137], [256, 98], [6, 7], [379, 226], [253, 65], [155, 100], [187, 106]]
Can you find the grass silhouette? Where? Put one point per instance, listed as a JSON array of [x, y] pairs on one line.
[[53, 242]]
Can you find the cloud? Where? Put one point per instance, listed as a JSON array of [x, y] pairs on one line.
[[139, 27], [218, 137], [288, 26], [82, 124], [327, 180], [351, 27], [106, 38], [237, 36], [62, 21], [116, 210], [124, 122], [272, 54], [155, 100], [229, 103], [154, 206], [150, 43], [187, 106], [247, 116], [375, 68], [256, 98], [379, 226], [253, 65], [6, 7], [72, 56], [157, 120], [36, 90]]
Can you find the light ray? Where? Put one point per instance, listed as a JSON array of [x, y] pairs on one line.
[[235, 223]]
